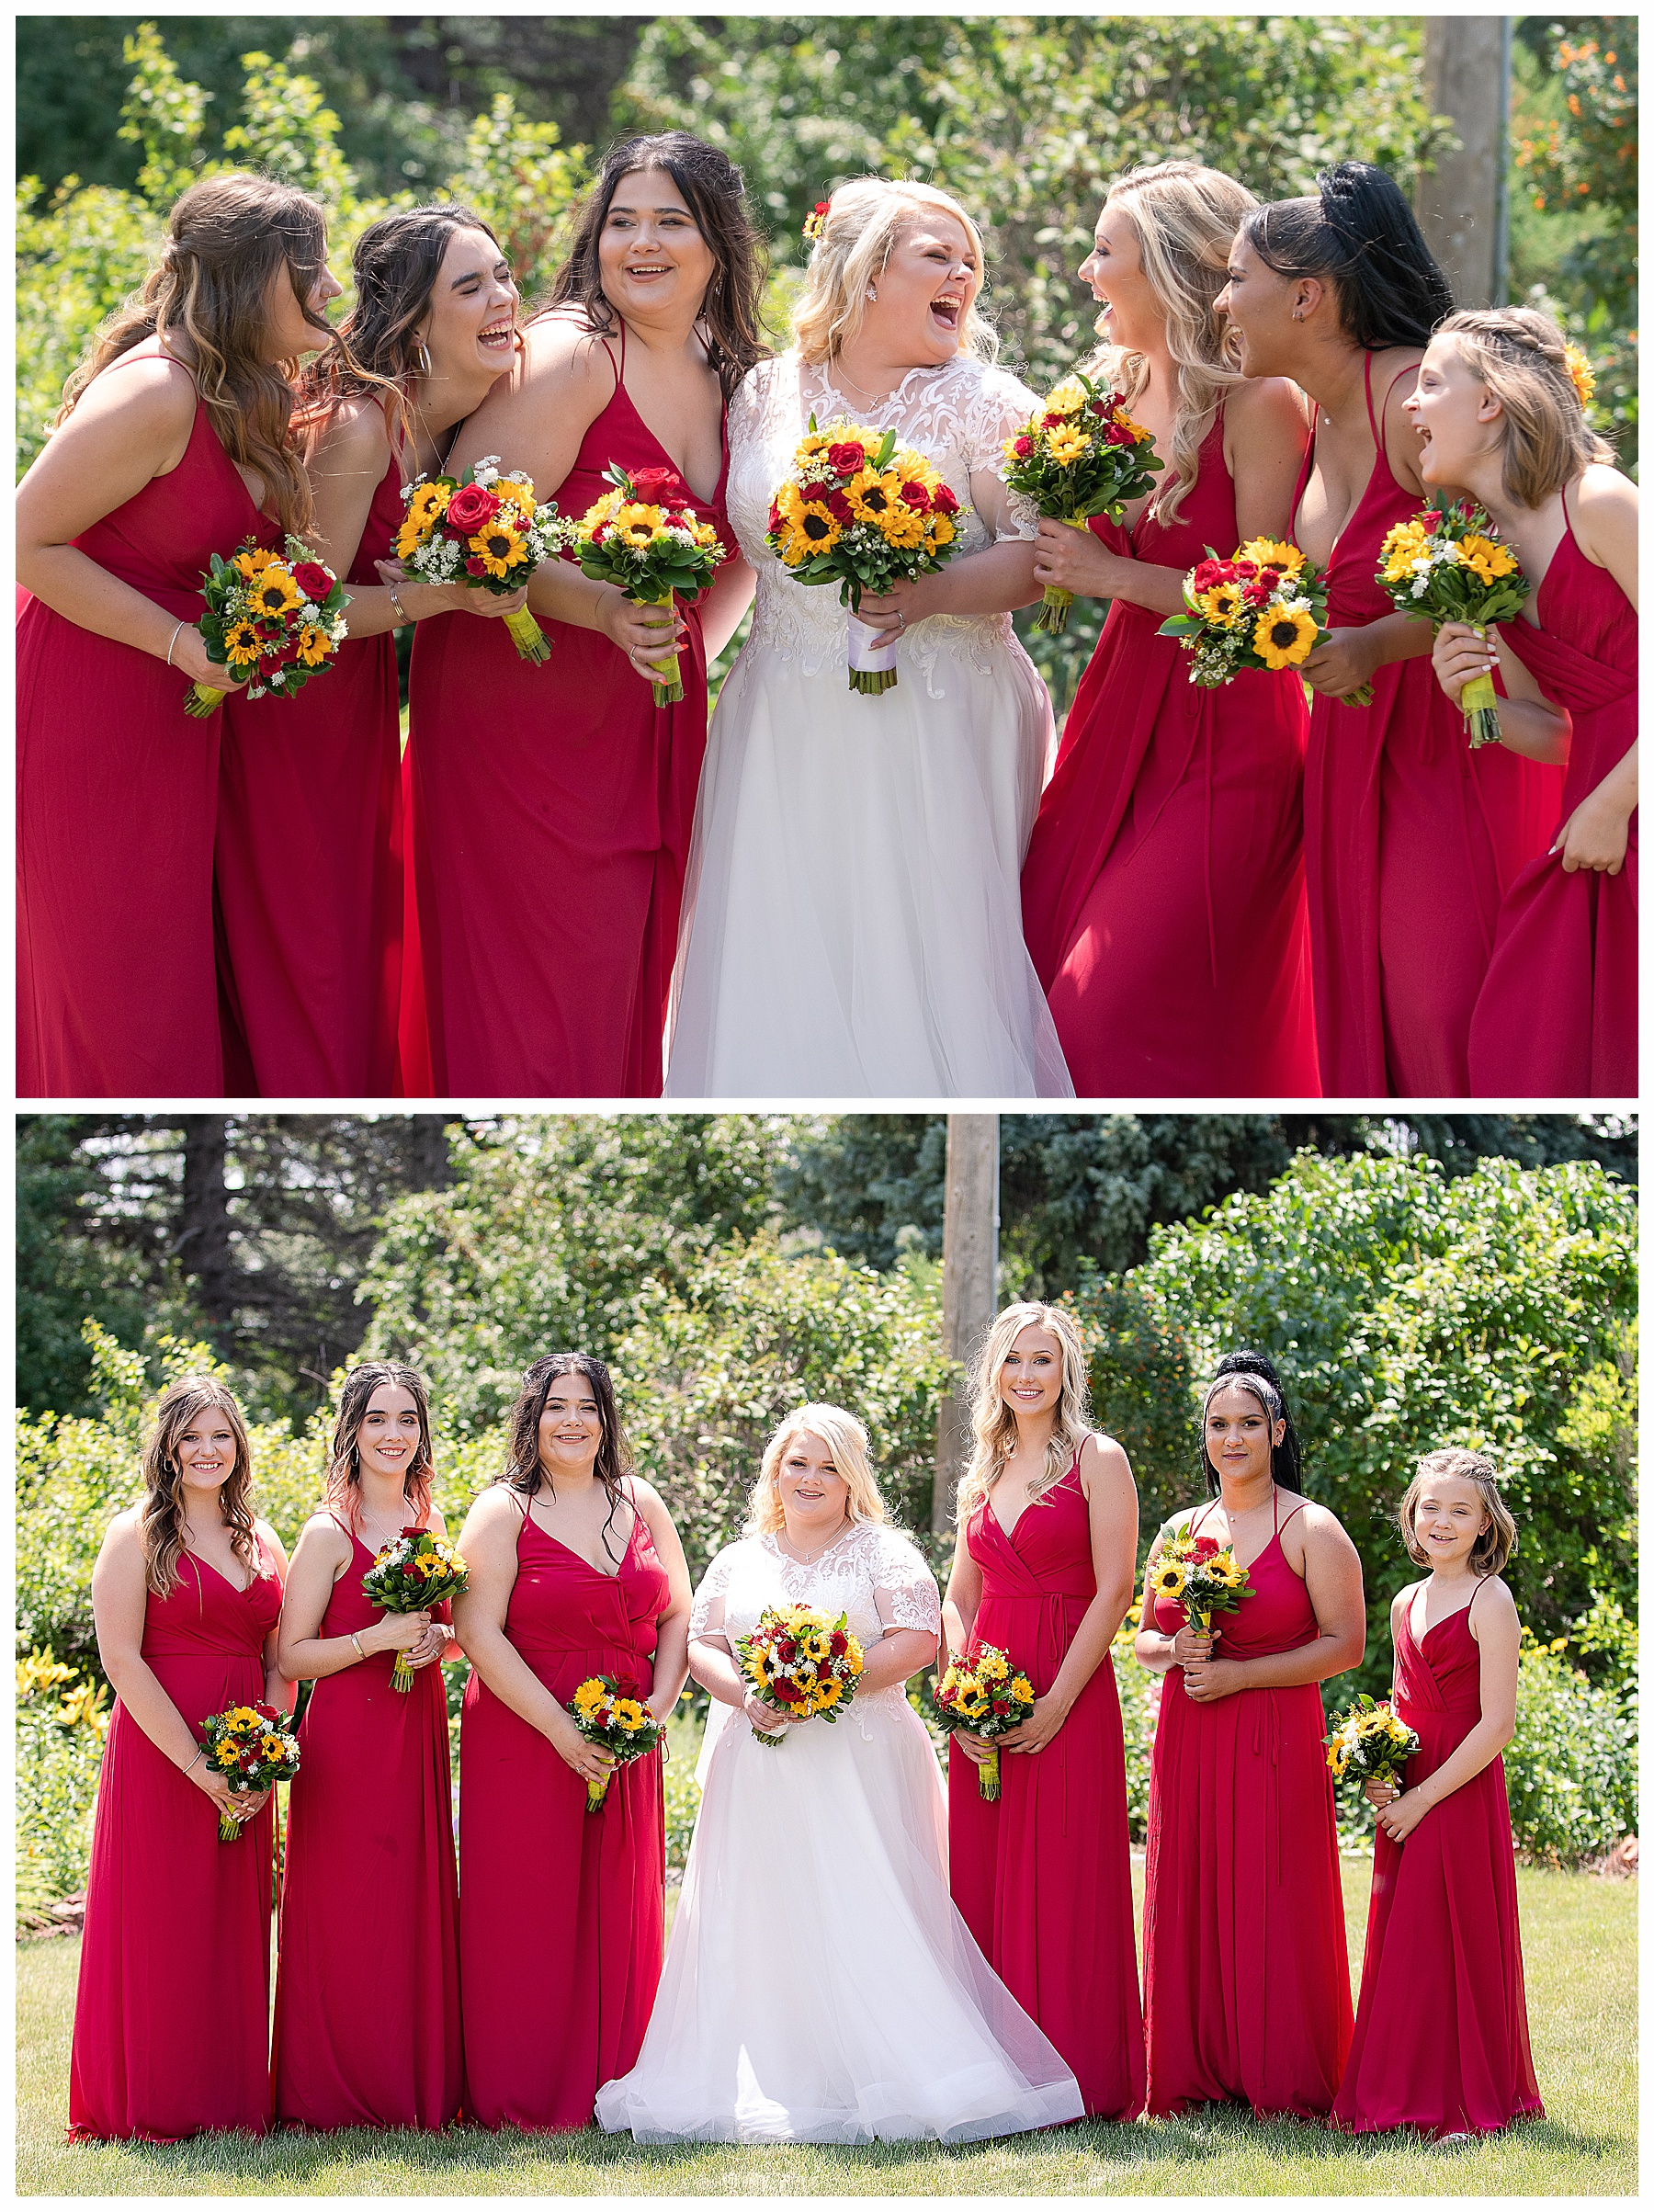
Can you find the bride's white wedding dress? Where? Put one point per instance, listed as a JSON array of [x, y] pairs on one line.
[[852, 921], [820, 1986]]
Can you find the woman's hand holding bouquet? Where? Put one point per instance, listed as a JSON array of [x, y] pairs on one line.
[[1265, 607], [983, 1695], [1447, 566], [417, 1571], [250, 1748], [617, 1722], [483, 532], [1081, 455], [646, 539], [799, 1663], [273, 620]]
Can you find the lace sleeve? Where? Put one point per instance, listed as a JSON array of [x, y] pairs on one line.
[[1000, 408], [707, 1613], [904, 1590]]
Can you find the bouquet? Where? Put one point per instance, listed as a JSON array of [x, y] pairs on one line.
[[483, 530], [645, 537], [417, 1570], [253, 1746], [1201, 1575], [623, 1726], [1369, 1741], [797, 1658], [1265, 607], [1447, 565], [984, 1694], [861, 512], [280, 618], [1081, 455]]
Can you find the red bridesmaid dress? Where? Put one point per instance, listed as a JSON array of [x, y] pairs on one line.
[[1043, 1878], [1165, 872], [1246, 1978], [552, 808], [1556, 1017], [1441, 2038], [172, 2014], [308, 872], [116, 799], [562, 1913], [1411, 840], [368, 1979]]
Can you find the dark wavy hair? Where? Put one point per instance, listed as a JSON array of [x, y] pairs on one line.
[[523, 1470], [1360, 235], [1248, 1371], [344, 1487], [715, 194]]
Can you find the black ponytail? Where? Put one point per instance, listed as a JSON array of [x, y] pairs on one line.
[[1360, 236]]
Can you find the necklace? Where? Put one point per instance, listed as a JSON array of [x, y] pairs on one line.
[[873, 399], [808, 1559]]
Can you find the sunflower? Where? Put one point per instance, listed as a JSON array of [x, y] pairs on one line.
[[1066, 444], [314, 648], [272, 1747], [1167, 1580], [275, 592], [226, 1754], [519, 494], [1401, 547], [254, 561], [631, 1716], [1223, 1571], [1485, 559], [1068, 398], [588, 1698], [871, 495], [812, 530], [1022, 1689], [991, 1667], [827, 1695], [499, 548], [971, 1702], [1284, 635], [941, 528], [901, 525], [815, 1646], [1221, 604], [1271, 552], [240, 642]]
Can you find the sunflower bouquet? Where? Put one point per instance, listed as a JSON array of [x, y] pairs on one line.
[[984, 1692], [621, 1725], [279, 618], [646, 537], [796, 1657], [859, 511], [1370, 1742], [1081, 455], [417, 1570], [1201, 1575], [1447, 565], [483, 530], [252, 1746], [1263, 607]]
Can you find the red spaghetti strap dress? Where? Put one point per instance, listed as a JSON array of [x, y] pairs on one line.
[[172, 2014], [309, 866], [1411, 840], [1043, 1878], [552, 808], [1441, 2038], [368, 1975], [1165, 871], [1246, 1978], [563, 1913], [116, 799], [1556, 1017]]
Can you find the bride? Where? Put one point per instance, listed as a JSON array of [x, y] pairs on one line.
[[853, 917], [820, 1986]]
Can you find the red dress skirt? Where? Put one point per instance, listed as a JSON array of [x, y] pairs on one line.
[[368, 1976], [172, 2014], [1043, 1878], [563, 1913]]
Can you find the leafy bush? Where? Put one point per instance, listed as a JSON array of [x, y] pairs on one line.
[[61, 1722], [1571, 1768]]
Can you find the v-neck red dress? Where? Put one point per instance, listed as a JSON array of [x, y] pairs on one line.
[[551, 810], [367, 1973], [562, 1912], [1043, 1878], [1440, 2040], [173, 2012], [1246, 1979]]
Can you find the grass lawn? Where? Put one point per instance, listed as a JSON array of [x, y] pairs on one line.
[[1580, 1942]]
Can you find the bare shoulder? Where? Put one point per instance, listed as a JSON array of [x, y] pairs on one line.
[[145, 387], [353, 435], [125, 1533], [1102, 1459], [647, 1500], [268, 1538], [1267, 407], [561, 346], [1320, 1524], [1493, 1602], [322, 1533], [1604, 510]]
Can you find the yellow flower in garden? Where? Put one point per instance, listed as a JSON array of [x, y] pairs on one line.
[[1066, 444], [1284, 635], [275, 593], [314, 645], [1022, 1689], [1271, 552], [1487, 559], [240, 642], [1221, 604]]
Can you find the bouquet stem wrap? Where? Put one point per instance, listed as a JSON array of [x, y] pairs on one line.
[[1479, 703], [872, 667], [988, 1777], [527, 636], [985, 1694], [1447, 565], [668, 684], [203, 701]]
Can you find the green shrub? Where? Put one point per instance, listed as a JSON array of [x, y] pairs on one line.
[[61, 1722], [1571, 1768]]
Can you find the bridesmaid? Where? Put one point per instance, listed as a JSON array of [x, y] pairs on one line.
[[173, 444], [1246, 1976], [575, 1570], [171, 2014], [1166, 868], [1042, 1567], [367, 1979], [552, 807], [1499, 413], [1441, 2037], [309, 859], [1409, 838]]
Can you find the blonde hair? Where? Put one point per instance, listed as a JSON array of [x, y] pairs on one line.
[[1185, 218], [845, 1437], [1497, 1542], [161, 1525], [857, 237], [992, 1421], [1520, 356]]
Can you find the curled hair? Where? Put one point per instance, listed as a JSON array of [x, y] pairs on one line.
[[1497, 1542], [1359, 235], [857, 237], [1520, 356], [343, 1490], [730, 321], [1256, 1372], [614, 1463], [845, 1437], [161, 1524], [992, 1421], [227, 239]]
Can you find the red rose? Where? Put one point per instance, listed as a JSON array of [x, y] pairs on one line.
[[839, 507], [774, 517], [838, 1643], [267, 1711], [1210, 574], [1051, 422], [1024, 446], [313, 580], [1113, 435], [1245, 568], [846, 459], [1098, 406], [1256, 594], [476, 566], [664, 487], [944, 502], [1205, 1547], [1271, 576], [916, 497], [469, 508], [785, 1649], [782, 1693]]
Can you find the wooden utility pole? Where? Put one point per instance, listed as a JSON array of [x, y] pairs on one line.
[[970, 1272], [1461, 203]]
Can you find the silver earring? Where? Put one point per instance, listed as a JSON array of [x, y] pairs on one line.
[[871, 293], [422, 359]]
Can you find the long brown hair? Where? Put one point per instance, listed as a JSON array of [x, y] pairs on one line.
[[1520, 356], [614, 1463], [344, 1492], [162, 1524]]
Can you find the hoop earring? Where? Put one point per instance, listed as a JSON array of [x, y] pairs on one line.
[[422, 359]]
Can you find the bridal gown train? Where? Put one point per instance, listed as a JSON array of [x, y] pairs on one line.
[[820, 1986]]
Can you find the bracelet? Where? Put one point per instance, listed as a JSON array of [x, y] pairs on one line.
[[357, 1641], [171, 643], [201, 1753], [402, 616]]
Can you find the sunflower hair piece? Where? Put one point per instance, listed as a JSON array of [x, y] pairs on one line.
[[1580, 373], [815, 222]]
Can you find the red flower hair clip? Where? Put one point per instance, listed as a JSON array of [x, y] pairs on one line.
[[815, 222]]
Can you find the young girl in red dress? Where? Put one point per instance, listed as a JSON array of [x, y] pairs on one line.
[[1501, 415], [171, 2013], [368, 1975], [1440, 2040], [1042, 1567], [1167, 860]]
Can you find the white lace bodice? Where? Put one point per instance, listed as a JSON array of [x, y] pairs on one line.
[[957, 416]]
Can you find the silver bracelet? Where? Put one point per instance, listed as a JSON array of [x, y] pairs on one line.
[[357, 1641], [201, 1753], [170, 643], [402, 616]]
